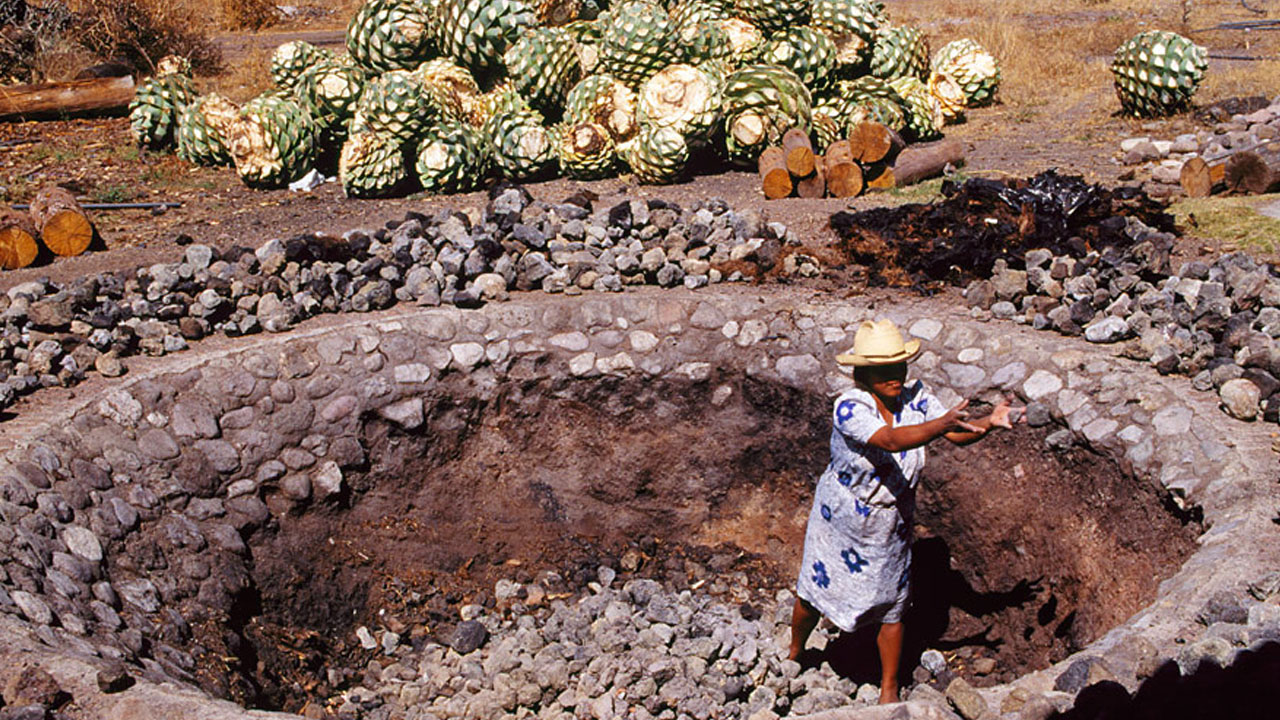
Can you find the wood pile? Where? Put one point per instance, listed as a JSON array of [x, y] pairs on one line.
[[873, 157], [1245, 172], [55, 224], [1238, 154]]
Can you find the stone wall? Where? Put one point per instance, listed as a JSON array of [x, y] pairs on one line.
[[121, 504]]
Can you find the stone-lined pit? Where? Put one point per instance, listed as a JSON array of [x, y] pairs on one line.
[[252, 510], [562, 474]]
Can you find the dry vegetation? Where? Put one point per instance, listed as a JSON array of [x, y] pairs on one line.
[[1056, 54], [1057, 97], [1247, 223]]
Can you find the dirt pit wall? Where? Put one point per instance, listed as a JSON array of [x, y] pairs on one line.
[[165, 523]]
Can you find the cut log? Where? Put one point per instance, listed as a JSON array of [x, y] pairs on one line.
[[839, 151], [774, 177], [77, 97], [1200, 179], [814, 186], [1251, 172], [18, 246], [63, 226], [879, 176], [844, 176], [925, 160], [799, 152], [875, 142]]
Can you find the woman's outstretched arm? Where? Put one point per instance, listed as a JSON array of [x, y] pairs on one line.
[[906, 437], [1002, 415]]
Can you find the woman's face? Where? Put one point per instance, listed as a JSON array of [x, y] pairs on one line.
[[886, 380]]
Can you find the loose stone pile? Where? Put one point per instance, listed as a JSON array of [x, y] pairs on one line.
[[1216, 322], [53, 334], [1163, 159], [638, 650]]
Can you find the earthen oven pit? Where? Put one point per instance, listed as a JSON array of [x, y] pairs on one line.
[[240, 518]]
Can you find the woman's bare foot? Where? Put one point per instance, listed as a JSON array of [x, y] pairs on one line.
[[888, 694]]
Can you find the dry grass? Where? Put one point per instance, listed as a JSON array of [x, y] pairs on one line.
[[1056, 54], [1240, 78], [1231, 220], [248, 77], [248, 14], [143, 31]]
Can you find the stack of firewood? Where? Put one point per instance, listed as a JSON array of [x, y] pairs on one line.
[[54, 223], [1250, 171], [873, 157]]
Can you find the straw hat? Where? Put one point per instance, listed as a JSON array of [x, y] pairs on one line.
[[879, 343]]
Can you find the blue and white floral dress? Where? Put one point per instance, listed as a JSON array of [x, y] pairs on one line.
[[857, 548]]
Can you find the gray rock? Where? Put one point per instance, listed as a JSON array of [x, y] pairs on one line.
[[1038, 414], [1107, 330], [652, 260], [1212, 652], [468, 637], [1223, 608], [55, 312], [1041, 384], [198, 256], [797, 370], [1240, 398], [32, 607], [966, 700], [158, 444], [1004, 309], [407, 413], [933, 661], [141, 593], [1172, 420], [491, 286], [962, 376], [1060, 440], [82, 543], [980, 294], [327, 480], [1008, 284]]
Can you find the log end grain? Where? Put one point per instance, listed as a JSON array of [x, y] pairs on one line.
[[18, 248], [1194, 178], [844, 179], [67, 233], [884, 179], [799, 152], [775, 180], [1248, 172]]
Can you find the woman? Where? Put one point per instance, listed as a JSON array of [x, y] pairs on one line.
[[857, 548]]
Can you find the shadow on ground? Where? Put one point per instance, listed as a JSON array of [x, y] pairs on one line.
[[936, 589], [1248, 688]]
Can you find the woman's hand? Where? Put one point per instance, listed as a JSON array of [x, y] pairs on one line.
[[955, 419], [1005, 415]]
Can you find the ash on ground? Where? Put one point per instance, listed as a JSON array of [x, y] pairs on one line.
[[959, 239]]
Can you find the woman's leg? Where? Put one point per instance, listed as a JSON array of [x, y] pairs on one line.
[[889, 641], [804, 618]]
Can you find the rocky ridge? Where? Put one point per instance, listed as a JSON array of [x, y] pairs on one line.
[[55, 336]]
